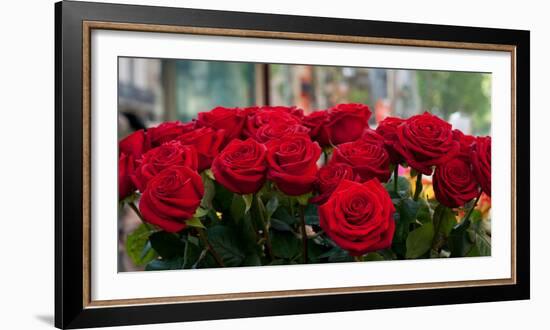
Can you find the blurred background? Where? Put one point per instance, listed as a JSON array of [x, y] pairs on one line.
[[151, 91], [156, 90]]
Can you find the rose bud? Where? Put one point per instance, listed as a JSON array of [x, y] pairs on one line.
[[358, 217], [260, 116], [208, 143], [481, 162], [171, 198], [231, 120], [241, 166], [425, 141], [277, 130], [157, 159], [388, 130], [125, 172], [346, 122], [328, 178], [368, 160], [454, 183], [168, 131], [292, 163]]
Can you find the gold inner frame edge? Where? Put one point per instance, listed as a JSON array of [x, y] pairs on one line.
[[88, 26]]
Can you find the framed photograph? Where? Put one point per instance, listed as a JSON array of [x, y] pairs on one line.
[[215, 164]]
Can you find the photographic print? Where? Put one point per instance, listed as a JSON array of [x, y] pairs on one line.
[[240, 164]]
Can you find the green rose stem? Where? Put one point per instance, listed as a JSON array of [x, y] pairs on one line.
[[261, 213], [395, 177], [418, 187], [304, 233], [204, 239], [471, 210]]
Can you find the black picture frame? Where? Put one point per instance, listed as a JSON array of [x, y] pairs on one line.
[[70, 310]]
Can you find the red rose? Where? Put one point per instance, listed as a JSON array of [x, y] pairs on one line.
[[260, 116], [388, 130], [292, 163], [368, 160], [168, 131], [359, 217], [208, 143], [370, 136], [481, 162], [425, 141], [465, 141], [134, 144], [241, 166], [157, 159], [328, 178], [316, 121], [454, 183], [277, 130], [229, 119], [172, 197], [346, 122], [126, 166]]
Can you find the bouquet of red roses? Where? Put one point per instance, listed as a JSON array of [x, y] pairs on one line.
[[270, 186]]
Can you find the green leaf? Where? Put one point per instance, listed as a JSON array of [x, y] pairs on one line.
[[458, 241], [195, 222], [167, 245], [480, 239], [444, 220], [311, 215], [191, 253], [285, 245], [272, 205], [280, 225], [164, 264], [313, 251], [304, 199], [373, 256], [252, 260], [248, 198], [223, 198], [419, 241], [200, 212], [283, 215], [424, 213], [406, 211], [238, 207], [403, 187], [224, 241], [138, 247], [209, 192]]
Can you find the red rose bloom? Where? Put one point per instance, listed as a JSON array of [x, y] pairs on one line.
[[465, 142], [172, 197], [368, 160], [481, 162], [241, 166], [358, 217], [126, 166], [328, 178], [168, 131], [388, 130], [157, 159], [229, 119], [346, 122], [454, 183], [277, 130], [316, 121], [370, 136], [260, 116], [292, 163], [426, 141], [134, 144], [208, 143]]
